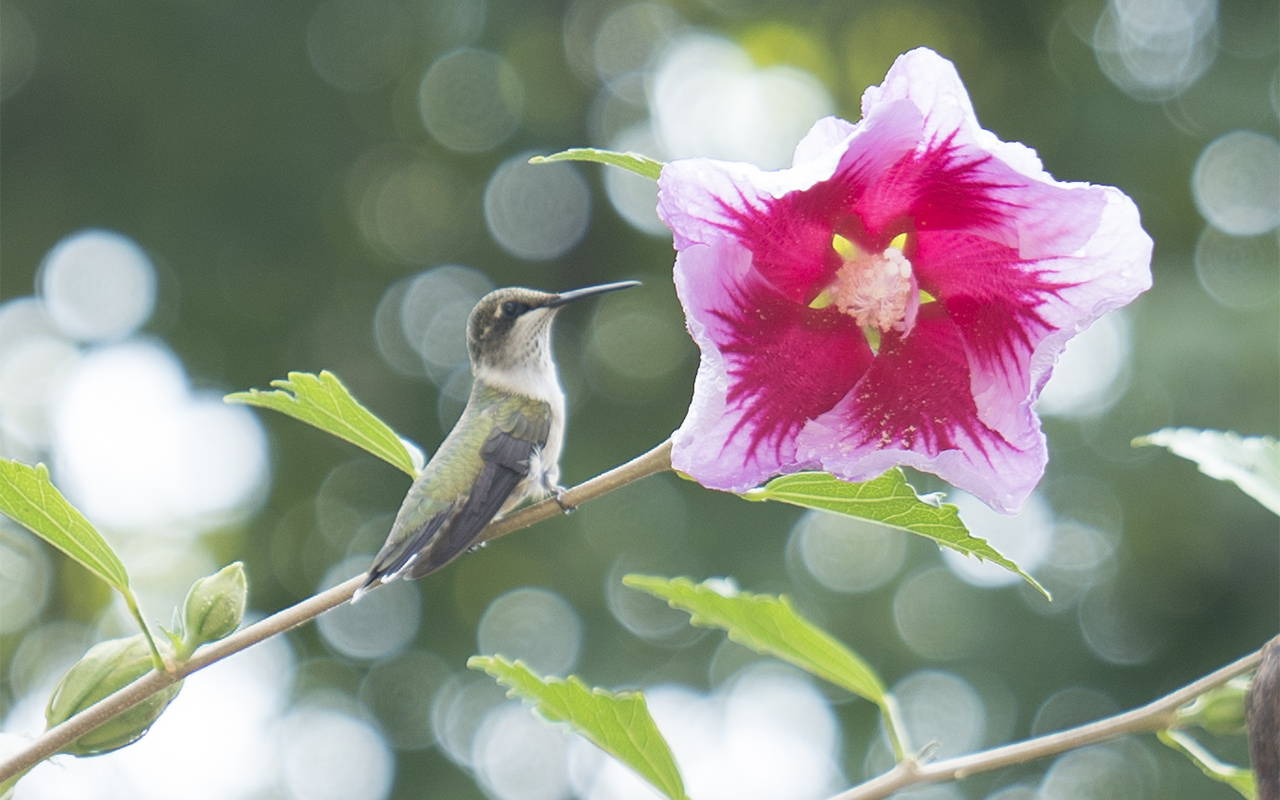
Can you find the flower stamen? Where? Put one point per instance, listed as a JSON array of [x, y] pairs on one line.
[[879, 290]]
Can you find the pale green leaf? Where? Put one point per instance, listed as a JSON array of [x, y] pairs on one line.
[[767, 624], [322, 401], [1238, 778], [30, 499], [1250, 462], [618, 723], [888, 500], [641, 165]]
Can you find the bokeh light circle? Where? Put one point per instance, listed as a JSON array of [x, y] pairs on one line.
[[848, 555], [1240, 272], [331, 755], [1092, 373], [97, 285], [380, 625], [1235, 183], [942, 707], [536, 212], [708, 99], [938, 616], [518, 756], [1156, 49], [470, 100], [1115, 631], [359, 45], [399, 691], [25, 578], [535, 625], [34, 370], [1026, 538], [134, 447], [1100, 772], [458, 710]]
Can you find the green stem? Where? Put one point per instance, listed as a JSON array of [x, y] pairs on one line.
[[156, 659], [891, 717], [53, 740], [1155, 716], [1237, 778], [7, 785]]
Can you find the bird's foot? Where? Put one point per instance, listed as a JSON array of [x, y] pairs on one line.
[[557, 492]]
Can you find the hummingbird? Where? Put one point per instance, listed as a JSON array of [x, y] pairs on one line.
[[505, 447]]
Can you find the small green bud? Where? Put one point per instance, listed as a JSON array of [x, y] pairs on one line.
[[108, 666], [214, 607], [1219, 711]]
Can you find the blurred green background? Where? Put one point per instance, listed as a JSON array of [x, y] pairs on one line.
[[198, 197]]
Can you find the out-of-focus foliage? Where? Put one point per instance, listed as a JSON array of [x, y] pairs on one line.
[[1250, 462], [618, 723], [331, 184]]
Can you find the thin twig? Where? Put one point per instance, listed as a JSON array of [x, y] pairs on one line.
[[56, 738], [1156, 715]]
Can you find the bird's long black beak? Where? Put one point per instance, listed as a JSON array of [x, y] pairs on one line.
[[589, 291]]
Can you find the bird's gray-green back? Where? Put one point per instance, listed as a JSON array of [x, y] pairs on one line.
[[478, 467]]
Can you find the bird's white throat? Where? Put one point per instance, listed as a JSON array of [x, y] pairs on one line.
[[536, 379]]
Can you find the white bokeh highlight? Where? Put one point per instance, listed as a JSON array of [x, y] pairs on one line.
[[536, 211], [536, 626], [134, 447], [708, 99], [1025, 538], [97, 285], [1236, 183]]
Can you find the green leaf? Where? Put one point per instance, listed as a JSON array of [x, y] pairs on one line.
[[30, 499], [1238, 778], [888, 500], [322, 401], [1250, 462], [617, 723], [768, 624], [640, 165]]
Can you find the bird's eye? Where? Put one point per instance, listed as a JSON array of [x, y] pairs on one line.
[[514, 308]]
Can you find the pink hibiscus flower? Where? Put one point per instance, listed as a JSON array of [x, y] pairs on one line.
[[898, 296]]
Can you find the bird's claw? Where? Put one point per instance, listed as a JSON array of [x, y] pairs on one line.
[[557, 493]]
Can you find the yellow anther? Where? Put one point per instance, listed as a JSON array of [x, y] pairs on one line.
[[823, 299], [899, 242], [847, 249]]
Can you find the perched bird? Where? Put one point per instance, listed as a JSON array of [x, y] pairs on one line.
[[504, 448]]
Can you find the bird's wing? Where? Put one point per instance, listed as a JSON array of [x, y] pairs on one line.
[[396, 553], [506, 455]]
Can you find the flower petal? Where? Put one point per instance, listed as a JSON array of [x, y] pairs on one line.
[[702, 200], [914, 407], [768, 367], [1081, 252], [788, 231]]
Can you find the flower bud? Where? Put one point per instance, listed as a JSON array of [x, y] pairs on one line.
[[214, 607], [1219, 711], [108, 666]]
